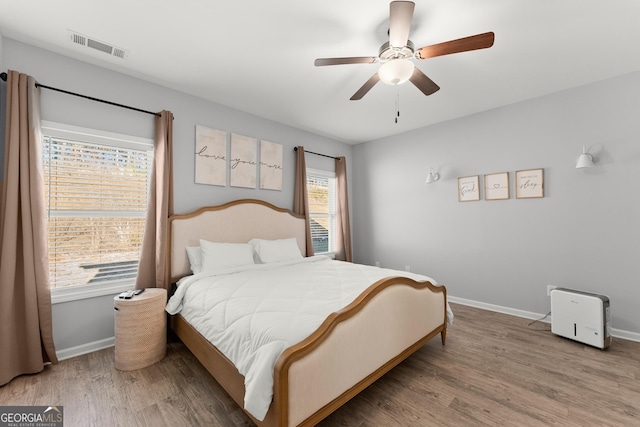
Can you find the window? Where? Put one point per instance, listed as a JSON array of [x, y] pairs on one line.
[[96, 188], [321, 190]]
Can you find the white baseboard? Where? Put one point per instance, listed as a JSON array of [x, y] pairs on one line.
[[68, 353], [625, 335], [617, 333]]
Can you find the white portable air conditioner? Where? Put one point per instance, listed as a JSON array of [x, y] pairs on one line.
[[581, 316]]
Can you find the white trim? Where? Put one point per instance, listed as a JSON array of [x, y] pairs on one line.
[[89, 347], [497, 308], [617, 333], [74, 293], [110, 342], [625, 335]]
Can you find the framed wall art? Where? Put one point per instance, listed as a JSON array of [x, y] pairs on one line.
[[496, 186], [243, 161], [469, 188], [211, 156], [529, 183], [270, 165]]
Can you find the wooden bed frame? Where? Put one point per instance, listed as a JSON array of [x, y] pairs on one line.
[[352, 348]]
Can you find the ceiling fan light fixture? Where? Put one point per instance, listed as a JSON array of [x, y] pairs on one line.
[[396, 71]]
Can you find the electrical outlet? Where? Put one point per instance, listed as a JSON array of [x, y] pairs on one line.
[[549, 289], [377, 263], [407, 268]]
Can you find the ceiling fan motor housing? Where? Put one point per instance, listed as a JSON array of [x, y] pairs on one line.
[[388, 52]]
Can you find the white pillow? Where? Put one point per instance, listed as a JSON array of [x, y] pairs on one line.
[[276, 250], [195, 258], [218, 256]]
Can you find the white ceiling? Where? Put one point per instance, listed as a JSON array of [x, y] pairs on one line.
[[257, 56]]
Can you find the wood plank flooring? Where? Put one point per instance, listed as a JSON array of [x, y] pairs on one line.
[[495, 370]]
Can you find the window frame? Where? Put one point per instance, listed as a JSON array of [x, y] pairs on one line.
[[332, 232], [65, 131]]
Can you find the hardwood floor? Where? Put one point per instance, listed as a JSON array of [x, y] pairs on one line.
[[494, 370]]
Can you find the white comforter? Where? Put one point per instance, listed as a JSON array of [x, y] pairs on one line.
[[252, 314]]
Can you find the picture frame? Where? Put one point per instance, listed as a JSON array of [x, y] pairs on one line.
[[469, 188], [496, 186], [529, 183]]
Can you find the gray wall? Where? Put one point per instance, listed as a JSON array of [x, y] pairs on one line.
[[584, 234], [79, 323]]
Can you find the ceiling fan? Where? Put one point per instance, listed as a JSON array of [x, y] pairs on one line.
[[396, 54]]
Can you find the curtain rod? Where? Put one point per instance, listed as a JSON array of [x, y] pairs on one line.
[[317, 154], [3, 76]]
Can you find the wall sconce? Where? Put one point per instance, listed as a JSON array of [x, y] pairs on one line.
[[432, 177], [585, 160]]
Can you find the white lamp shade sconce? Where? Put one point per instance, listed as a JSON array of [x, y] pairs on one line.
[[396, 71], [585, 160], [432, 177]]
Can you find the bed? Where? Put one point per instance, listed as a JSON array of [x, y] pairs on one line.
[[350, 348]]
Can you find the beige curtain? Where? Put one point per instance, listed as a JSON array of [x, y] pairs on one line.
[[343, 228], [300, 199], [26, 337], [153, 269]]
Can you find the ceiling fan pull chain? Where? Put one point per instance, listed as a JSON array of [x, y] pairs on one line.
[[397, 104]]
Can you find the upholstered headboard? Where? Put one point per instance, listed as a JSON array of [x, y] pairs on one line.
[[234, 222]]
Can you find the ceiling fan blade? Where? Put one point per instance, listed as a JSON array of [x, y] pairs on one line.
[[349, 60], [479, 41], [422, 82], [366, 87], [400, 16]]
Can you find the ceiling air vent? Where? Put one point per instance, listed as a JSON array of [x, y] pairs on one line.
[[120, 53], [82, 40]]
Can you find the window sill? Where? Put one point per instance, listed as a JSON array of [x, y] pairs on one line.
[[75, 293], [331, 255]]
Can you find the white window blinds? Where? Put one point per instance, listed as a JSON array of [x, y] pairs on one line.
[[96, 198], [321, 191]]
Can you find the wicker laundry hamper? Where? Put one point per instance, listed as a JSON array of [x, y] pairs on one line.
[[141, 329]]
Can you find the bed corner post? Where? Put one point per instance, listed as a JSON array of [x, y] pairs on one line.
[[443, 333]]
